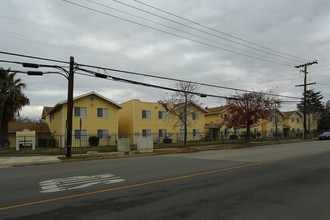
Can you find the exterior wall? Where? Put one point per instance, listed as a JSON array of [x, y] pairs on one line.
[[294, 126], [131, 122], [91, 123]]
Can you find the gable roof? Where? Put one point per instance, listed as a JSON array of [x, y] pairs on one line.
[[180, 105], [216, 110], [20, 126], [289, 113], [82, 96]]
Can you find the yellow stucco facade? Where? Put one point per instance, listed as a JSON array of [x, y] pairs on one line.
[[98, 116], [139, 118]]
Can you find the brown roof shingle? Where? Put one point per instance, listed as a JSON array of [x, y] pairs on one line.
[[19, 126]]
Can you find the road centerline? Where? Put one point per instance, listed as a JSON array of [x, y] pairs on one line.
[[150, 182]]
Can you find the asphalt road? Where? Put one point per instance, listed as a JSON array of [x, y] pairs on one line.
[[290, 181]]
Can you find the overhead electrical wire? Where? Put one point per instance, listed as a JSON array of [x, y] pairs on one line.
[[176, 29], [196, 29], [176, 35], [146, 75], [221, 32]]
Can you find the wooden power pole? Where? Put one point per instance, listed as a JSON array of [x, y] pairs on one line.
[[305, 89]]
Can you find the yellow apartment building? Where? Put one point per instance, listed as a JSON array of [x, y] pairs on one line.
[[293, 123], [93, 115], [139, 118], [215, 128]]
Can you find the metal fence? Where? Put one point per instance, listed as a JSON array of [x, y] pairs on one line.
[[55, 144]]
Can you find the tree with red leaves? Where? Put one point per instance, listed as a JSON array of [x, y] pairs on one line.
[[247, 109]]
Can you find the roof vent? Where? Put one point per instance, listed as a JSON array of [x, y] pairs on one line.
[[92, 99]]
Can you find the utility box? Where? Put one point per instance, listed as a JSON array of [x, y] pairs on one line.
[[123, 145], [145, 144]]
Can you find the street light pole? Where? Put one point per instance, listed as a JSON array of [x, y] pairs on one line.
[[70, 109]]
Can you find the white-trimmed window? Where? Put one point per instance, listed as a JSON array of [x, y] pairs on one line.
[[196, 133], [80, 112], [272, 131], [102, 133], [181, 133], [256, 130], [102, 112], [195, 116], [293, 130], [293, 120], [298, 130], [162, 133], [146, 114], [162, 115], [146, 132], [181, 115], [81, 134], [298, 120]]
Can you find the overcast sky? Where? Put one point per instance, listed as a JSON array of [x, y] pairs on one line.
[[251, 45]]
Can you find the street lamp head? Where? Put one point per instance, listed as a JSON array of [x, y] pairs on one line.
[[30, 65]]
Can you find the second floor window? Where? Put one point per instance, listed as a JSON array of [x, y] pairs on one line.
[[162, 115], [293, 120], [298, 120], [146, 114], [102, 112], [195, 116], [80, 112]]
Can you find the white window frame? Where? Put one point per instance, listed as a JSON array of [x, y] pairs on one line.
[[163, 115], [103, 137], [85, 137], [196, 133], [195, 116], [162, 133], [148, 132], [298, 120], [293, 130], [146, 118], [107, 111], [181, 133], [80, 116]]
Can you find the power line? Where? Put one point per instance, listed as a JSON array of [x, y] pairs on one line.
[[141, 74], [180, 30], [33, 57], [221, 32], [176, 35], [196, 29], [178, 80]]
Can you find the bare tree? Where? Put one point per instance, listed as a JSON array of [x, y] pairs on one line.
[[181, 106]]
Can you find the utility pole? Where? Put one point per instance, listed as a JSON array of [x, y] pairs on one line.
[[305, 89], [70, 109]]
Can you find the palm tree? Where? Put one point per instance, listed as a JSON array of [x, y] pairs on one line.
[[12, 100]]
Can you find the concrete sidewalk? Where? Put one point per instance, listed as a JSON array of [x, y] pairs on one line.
[[12, 161]]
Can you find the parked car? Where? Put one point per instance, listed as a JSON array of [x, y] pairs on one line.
[[325, 136]]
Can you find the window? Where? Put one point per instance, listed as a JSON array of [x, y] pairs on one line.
[[272, 131], [51, 117], [227, 132], [162, 115], [298, 120], [225, 116], [146, 132], [195, 132], [181, 133], [80, 112], [195, 116], [256, 130], [103, 133], [293, 130], [80, 134], [298, 130], [102, 112], [162, 133], [181, 115], [146, 114], [293, 120]]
